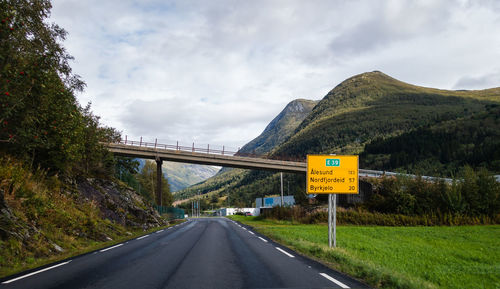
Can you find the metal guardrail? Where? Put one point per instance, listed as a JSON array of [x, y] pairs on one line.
[[378, 174]]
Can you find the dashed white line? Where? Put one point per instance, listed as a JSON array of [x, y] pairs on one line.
[[143, 237], [263, 239], [243, 228], [285, 252], [116, 246], [251, 232], [33, 273], [334, 280], [159, 231]]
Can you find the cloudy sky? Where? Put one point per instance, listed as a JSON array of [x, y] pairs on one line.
[[217, 72]]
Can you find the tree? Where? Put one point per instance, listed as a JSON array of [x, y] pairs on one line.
[[41, 121]]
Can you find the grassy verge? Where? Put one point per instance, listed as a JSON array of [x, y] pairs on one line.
[[79, 248], [398, 257]]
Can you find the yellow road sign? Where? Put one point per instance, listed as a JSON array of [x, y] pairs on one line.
[[332, 174]]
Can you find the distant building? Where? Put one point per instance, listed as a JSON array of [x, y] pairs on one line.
[[233, 211], [274, 201]]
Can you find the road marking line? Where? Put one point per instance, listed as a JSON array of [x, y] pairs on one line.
[[159, 231], [33, 273], [334, 280], [243, 228], [263, 239], [251, 232], [143, 237], [116, 246], [285, 252]]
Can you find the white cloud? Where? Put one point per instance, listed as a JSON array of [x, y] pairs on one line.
[[479, 81], [218, 71]]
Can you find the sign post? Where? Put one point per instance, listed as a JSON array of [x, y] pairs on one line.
[[332, 174]]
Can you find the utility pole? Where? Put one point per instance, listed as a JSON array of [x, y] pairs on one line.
[[281, 177]]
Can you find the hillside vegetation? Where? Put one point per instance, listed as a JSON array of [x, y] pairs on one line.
[[44, 218], [373, 105]]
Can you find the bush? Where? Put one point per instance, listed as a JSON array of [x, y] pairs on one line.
[[474, 194], [362, 217]]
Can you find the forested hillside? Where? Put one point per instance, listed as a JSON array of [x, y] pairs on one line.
[[392, 125], [373, 105]]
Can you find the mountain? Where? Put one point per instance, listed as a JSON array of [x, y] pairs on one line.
[[280, 128], [373, 105], [372, 109], [181, 175], [391, 124], [275, 133]]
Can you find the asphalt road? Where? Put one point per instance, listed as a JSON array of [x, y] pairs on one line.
[[200, 253]]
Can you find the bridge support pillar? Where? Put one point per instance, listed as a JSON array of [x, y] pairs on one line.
[[159, 173]]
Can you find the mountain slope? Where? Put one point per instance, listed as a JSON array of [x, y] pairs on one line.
[[181, 175], [373, 105], [275, 133], [280, 128]]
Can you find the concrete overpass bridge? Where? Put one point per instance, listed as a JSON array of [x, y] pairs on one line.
[[193, 155], [214, 157]]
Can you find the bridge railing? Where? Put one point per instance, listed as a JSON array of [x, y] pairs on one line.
[[207, 150], [178, 147]]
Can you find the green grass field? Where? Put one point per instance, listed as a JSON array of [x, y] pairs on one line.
[[398, 257]]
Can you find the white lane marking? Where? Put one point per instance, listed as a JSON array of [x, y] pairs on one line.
[[143, 237], [251, 232], [285, 252], [243, 228], [116, 246], [159, 231], [239, 226], [263, 239], [33, 273], [334, 280]]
